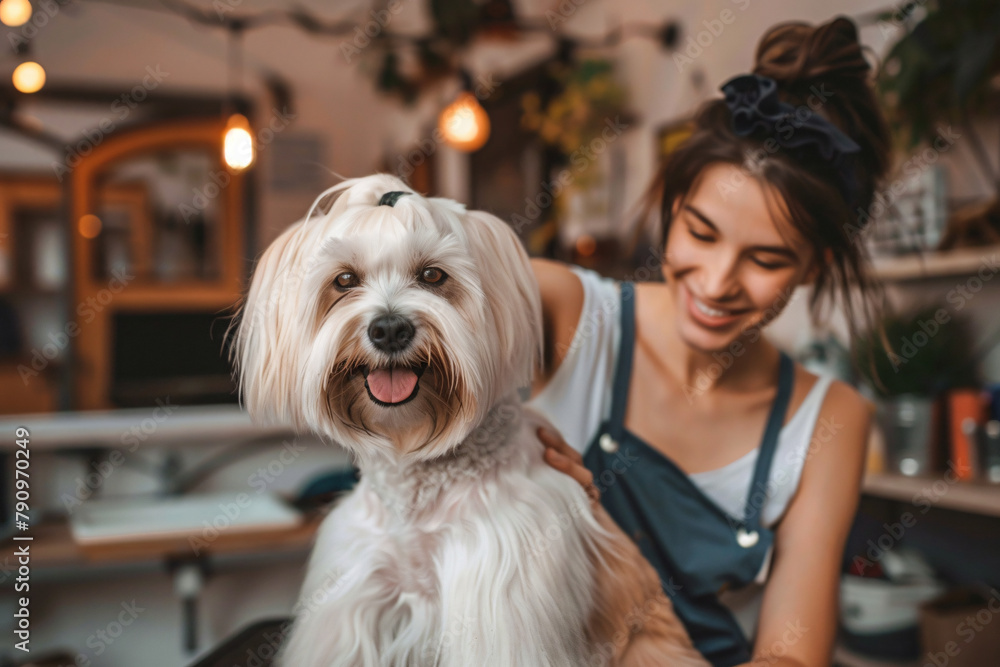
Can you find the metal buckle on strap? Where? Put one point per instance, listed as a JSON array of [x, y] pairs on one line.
[[607, 443], [747, 539]]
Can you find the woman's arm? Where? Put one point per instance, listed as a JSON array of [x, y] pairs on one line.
[[798, 617], [562, 303]]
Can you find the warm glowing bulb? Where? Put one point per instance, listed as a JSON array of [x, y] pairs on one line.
[[586, 245], [29, 77], [89, 226], [15, 12], [237, 143], [464, 123]]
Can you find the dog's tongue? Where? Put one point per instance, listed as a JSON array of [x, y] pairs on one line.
[[391, 385]]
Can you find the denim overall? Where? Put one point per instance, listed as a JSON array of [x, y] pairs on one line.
[[697, 548]]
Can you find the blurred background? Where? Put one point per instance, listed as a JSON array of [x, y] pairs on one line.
[[150, 150]]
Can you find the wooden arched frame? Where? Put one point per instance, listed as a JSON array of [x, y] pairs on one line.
[[96, 301]]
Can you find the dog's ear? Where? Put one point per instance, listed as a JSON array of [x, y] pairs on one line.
[[511, 294], [265, 346]]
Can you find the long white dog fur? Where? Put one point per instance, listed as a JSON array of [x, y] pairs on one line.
[[402, 331]]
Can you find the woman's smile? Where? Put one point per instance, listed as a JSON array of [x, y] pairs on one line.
[[710, 317]]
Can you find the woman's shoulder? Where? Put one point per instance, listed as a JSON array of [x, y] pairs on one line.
[[825, 394], [581, 333], [840, 397], [840, 417], [844, 403], [568, 285], [572, 297]]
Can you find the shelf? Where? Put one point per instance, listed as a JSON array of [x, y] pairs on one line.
[[922, 266], [844, 658], [974, 497], [53, 546], [186, 425]]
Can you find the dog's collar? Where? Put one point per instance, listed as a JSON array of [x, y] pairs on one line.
[[390, 198]]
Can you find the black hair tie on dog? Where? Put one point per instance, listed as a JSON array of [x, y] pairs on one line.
[[390, 198]]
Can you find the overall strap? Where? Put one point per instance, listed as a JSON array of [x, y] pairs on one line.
[[623, 369], [769, 443]]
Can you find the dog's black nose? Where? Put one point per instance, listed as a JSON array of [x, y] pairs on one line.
[[391, 332]]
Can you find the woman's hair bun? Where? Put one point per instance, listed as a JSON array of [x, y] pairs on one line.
[[799, 55], [826, 63]]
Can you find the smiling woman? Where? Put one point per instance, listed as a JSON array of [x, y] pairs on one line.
[[816, 160], [695, 431], [717, 244]]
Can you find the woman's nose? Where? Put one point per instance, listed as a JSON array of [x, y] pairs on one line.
[[719, 279]]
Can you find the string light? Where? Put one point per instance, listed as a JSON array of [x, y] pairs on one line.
[[15, 13], [237, 143], [666, 33], [238, 149], [426, 43], [464, 123], [28, 77]]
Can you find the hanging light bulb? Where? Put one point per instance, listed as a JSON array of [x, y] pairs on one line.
[[464, 123], [238, 150], [28, 77], [15, 13], [237, 143]]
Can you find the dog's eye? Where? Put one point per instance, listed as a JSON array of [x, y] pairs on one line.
[[346, 280], [433, 276]]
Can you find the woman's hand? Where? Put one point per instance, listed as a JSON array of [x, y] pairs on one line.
[[565, 459]]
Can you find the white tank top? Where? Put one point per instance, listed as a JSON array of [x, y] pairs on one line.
[[577, 400]]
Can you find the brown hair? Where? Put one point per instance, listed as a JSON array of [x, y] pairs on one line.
[[826, 62]]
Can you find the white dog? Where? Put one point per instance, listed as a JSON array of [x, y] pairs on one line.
[[401, 327]]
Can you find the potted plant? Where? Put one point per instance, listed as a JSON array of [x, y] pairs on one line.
[[945, 71], [929, 352], [580, 119]]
